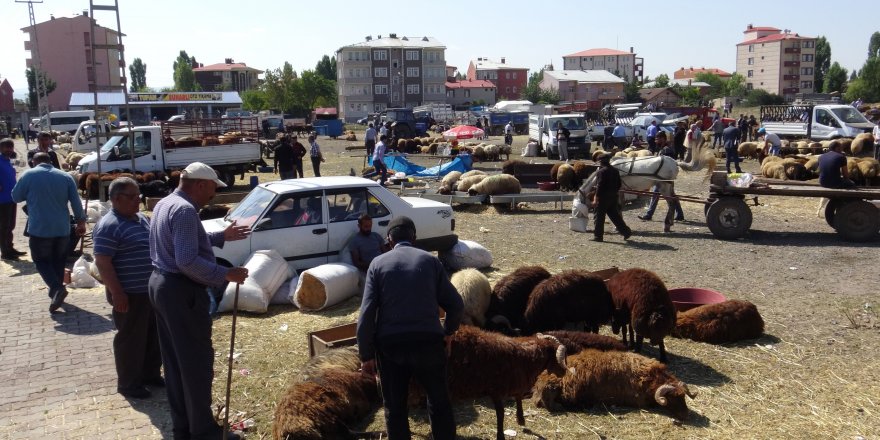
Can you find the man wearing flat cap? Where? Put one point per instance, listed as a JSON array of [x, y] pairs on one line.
[[183, 268], [399, 330]]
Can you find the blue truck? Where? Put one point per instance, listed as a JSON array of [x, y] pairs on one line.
[[498, 120]]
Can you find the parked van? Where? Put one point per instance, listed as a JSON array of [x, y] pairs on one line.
[[820, 122], [65, 121]]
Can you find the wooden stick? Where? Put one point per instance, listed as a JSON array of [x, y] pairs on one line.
[[231, 350]]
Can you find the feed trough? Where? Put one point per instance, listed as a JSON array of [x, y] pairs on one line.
[[686, 298]]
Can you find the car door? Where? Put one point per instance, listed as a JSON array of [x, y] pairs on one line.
[[345, 207], [823, 124], [295, 226]]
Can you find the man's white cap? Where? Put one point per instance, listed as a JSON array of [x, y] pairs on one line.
[[198, 170]]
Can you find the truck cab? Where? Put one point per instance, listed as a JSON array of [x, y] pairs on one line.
[[819, 122], [543, 129]]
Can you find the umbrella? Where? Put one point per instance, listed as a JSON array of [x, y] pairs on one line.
[[463, 132]]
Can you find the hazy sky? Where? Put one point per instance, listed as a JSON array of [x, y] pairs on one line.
[[264, 34]]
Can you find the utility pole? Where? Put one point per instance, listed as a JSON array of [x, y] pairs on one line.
[[36, 66]]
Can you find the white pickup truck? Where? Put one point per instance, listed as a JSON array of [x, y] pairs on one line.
[[228, 145], [310, 221], [819, 122]]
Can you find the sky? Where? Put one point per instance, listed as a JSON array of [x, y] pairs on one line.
[[265, 34]]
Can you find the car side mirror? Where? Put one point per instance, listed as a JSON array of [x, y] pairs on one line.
[[263, 224]]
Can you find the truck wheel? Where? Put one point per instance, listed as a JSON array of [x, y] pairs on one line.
[[228, 177], [857, 221], [830, 209], [729, 218]]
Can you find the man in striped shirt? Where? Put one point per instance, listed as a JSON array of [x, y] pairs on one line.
[[122, 254]]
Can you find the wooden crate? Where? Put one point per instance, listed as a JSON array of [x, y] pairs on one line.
[[605, 274], [333, 337]]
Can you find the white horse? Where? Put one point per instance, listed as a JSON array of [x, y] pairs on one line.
[[642, 173]]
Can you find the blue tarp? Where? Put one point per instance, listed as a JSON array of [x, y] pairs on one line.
[[399, 163]]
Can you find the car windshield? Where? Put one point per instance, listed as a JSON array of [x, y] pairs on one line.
[[246, 213], [849, 115], [112, 142], [574, 123]]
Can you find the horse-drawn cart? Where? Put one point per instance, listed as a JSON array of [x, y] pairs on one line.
[[849, 211]]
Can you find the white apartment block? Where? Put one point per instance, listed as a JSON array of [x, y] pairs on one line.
[[389, 72], [625, 65], [777, 61]]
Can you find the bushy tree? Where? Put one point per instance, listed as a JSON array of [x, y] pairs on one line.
[[138, 72], [184, 78], [874, 45], [631, 91], [867, 85], [327, 67], [835, 79], [717, 86], [690, 95], [662, 80], [254, 100], [823, 63], [735, 85], [532, 92], [759, 97], [48, 84]]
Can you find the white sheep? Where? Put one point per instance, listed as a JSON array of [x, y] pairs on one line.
[[465, 183], [496, 184], [476, 292]]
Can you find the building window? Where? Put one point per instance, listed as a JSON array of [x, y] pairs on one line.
[[412, 72], [395, 97], [506, 75], [750, 61], [751, 48], [381, 89], [380, 72], [749, 86], [507, 90], [750, 73], [412, 55], [806, 84], [380, 55], [395, 80], [467, 93], [513, 89], [412, 89], [806, 70], [807, 57], [86, 40], [378, 107], [809, 44]]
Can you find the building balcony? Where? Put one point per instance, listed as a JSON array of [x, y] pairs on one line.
[[791, 63], [792, 50], [791, 77], [790, 91]]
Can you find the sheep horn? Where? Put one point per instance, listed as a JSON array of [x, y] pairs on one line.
[[660, 394], [560, 351], [687, 391]]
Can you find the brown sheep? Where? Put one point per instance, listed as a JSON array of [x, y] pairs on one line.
[[613, 378], [569, 296], [554, 171], [210, 212], [729, 321], [868, 167], [174, 180], [510, 295], [846, 143], [509, 167], [479, 154], [581, 170], [642, 306], [576, 342], [566, 178], [815, 148], [411, 146], [862, 142], [401, 144]]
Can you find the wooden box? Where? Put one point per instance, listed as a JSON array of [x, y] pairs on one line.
[[333, 337]]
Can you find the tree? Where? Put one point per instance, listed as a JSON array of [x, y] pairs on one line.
[[717, 87], [48, 84], [823, 63], [254, 100], [760, 97], [184, 78], [874, 45], [138, 71], [854, 75], [662, 80], [835, 79], [327, 68], [549, 96], [735, 85], [631, 91], [867, 85], [532, 92], [316, 91], [690, 95]]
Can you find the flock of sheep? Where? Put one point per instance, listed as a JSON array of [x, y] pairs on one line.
[[513, 345]]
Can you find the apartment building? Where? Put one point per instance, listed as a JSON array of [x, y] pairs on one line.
[[691, 72], [66, 56], [509, 80], [390, 71], [623, 64], [228, 76], [777, 61], [584, 89], [466, 92]]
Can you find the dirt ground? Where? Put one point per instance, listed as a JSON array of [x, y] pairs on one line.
[[812, 375]]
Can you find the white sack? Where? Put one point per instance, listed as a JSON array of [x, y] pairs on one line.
[[465, 254], [250, 298], [284, 294], [80, 277], [268, 270], [325, 285]]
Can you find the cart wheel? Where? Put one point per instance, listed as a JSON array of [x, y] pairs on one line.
[[228, 177], [857, 221], [729, 218], [830, 209]]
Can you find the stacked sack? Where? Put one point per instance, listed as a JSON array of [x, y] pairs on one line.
[[267, 271]]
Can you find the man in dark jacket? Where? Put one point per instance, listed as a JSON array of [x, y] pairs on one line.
[[284, 159], [678, 140], [44, 145], [399, 329], [730, 136], [605, 200]]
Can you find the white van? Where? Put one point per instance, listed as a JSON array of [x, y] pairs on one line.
[[66, 121], [825, 121]]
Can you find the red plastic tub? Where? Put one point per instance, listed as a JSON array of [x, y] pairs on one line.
[[548, 186], [686, 298]]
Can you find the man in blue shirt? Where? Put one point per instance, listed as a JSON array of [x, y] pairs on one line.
[[379, 159], [619, 135], [370, 139], [652, 137], [48, 191], [7, 205], [183, 267], [122, 254], [832, 168], [399, 328]]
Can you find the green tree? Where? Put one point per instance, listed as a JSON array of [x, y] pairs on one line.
[[759, 97], [549, 96], [327, 68], [867, 85], [280, 86], [48, 83], [662, 80], [835, 79], [532, 92], [823, 63], [254, 100], [854, 75], [631, 91], [874, 45], [717, 87], [316, 91], [184, 78], [735, 85], [690, 95], [138, 71]]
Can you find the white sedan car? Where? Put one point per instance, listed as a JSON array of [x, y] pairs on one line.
[[310, 221]]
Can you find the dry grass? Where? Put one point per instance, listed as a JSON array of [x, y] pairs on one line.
[[813, 375]]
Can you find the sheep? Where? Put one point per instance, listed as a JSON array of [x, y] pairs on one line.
[[473, 173], [802, 147], [465, 183], [855, 174], [812, 165], [847, 145], [796, 171], [401, 145], [411, 146], [769, 159], [729, 321], [862, 142], [504, 150], [496, 184], [566, 178], [479, 153], [492, 152], [213, 211], [486, 364], [613, 378], [773, 170], [510, 295], [641, 305], [174, 179], [73, 159], [868, 167], [569, 296], [509, 167], [575, 341], [554, 171], [476, 292], [448, 182], [325, 406], [581, 170]]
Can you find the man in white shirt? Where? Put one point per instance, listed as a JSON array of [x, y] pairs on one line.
[[772, 143], [370, 139], [379, 159], [876, 133]]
